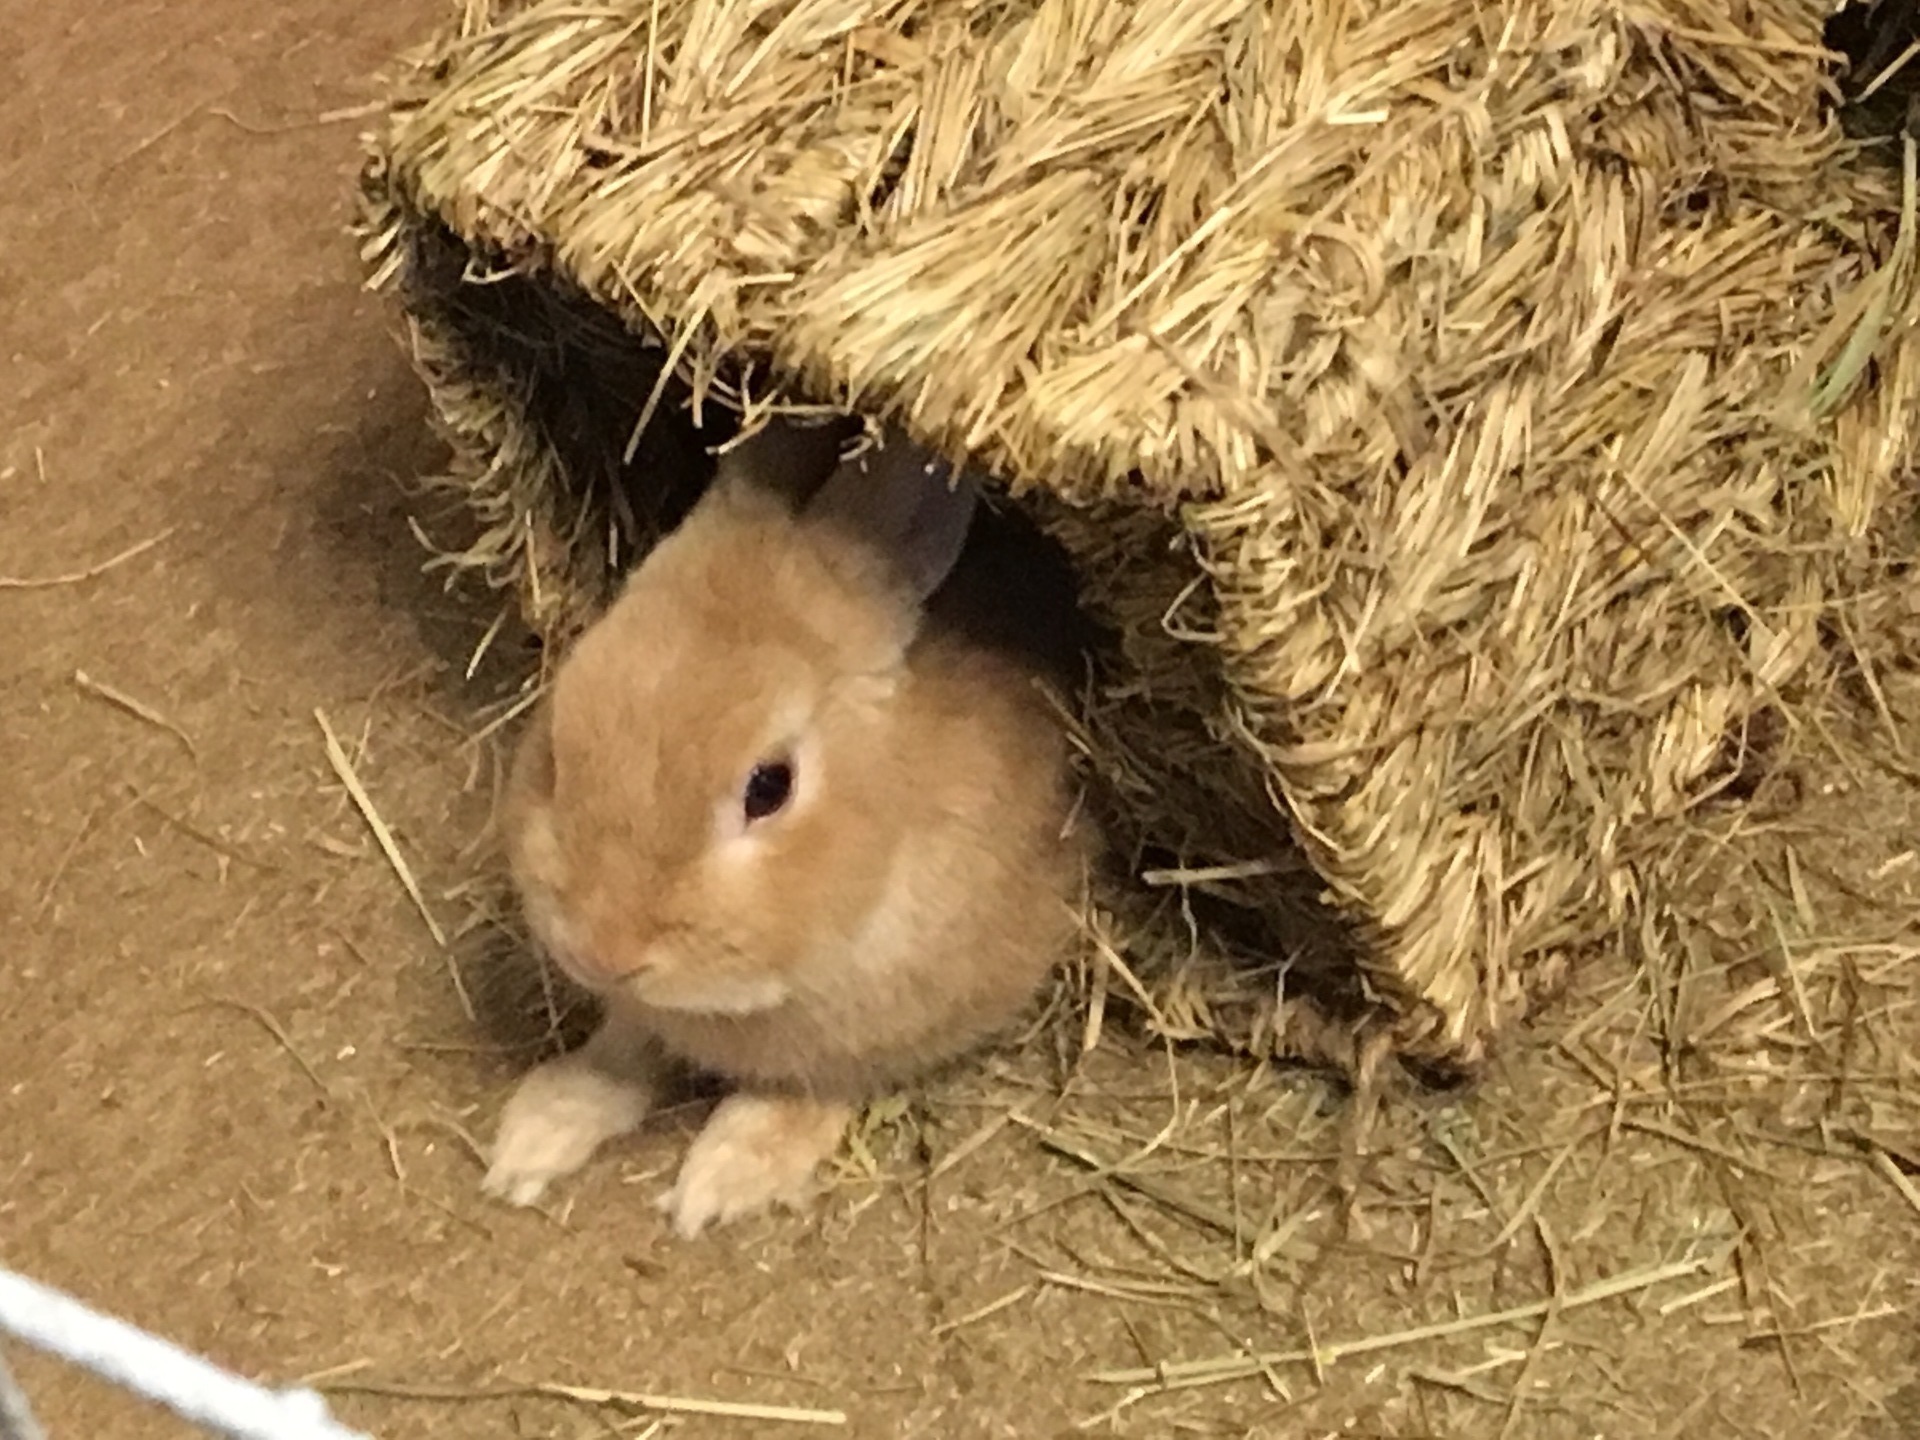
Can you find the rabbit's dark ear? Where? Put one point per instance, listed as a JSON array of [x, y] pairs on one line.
[[908, 505], [783, 462]]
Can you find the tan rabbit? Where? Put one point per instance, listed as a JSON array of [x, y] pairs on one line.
[[790, 834]]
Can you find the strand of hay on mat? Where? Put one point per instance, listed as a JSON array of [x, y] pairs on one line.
[[1455, 409]]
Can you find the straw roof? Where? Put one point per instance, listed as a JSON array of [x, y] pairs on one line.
[[1457, 411]]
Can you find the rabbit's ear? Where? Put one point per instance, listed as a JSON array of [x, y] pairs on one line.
[[783, 463], [907, 505]]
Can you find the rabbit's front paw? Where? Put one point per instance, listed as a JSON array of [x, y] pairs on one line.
[[562, 1112], [754, 1153]]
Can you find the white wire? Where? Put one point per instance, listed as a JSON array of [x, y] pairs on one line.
[[160, 1371]]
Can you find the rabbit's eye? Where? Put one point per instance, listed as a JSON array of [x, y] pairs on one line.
[[768, 789]]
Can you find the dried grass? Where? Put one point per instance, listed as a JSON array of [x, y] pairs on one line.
[[592, 1396], [349, 779], [139, 709], [90, 572], [1460, 414]]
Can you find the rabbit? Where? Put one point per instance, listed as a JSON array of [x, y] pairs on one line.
[[792, 832]]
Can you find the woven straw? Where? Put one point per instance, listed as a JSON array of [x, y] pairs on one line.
[[1456, 410]]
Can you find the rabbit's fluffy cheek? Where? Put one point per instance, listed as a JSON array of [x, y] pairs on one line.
[[561, 942], [549, 926], [547, 920]]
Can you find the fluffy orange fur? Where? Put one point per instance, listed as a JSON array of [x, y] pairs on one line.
[[909, 899]]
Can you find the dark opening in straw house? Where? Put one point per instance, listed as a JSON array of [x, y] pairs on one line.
[[1457, 416]]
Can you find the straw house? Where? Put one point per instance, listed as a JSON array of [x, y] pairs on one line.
[[1475, 423]]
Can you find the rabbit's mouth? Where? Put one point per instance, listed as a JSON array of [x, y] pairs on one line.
[[679, 971], [581, 970]]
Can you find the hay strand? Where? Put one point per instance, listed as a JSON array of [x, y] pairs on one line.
[[382, 835], [266, 1021], [984, 1312], [1181, 1374], [139, 709], [1166, 1197], [91, 572], [1896, 1177], [597, 1397]]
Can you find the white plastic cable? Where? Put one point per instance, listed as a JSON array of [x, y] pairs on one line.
[[160, 1371]]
